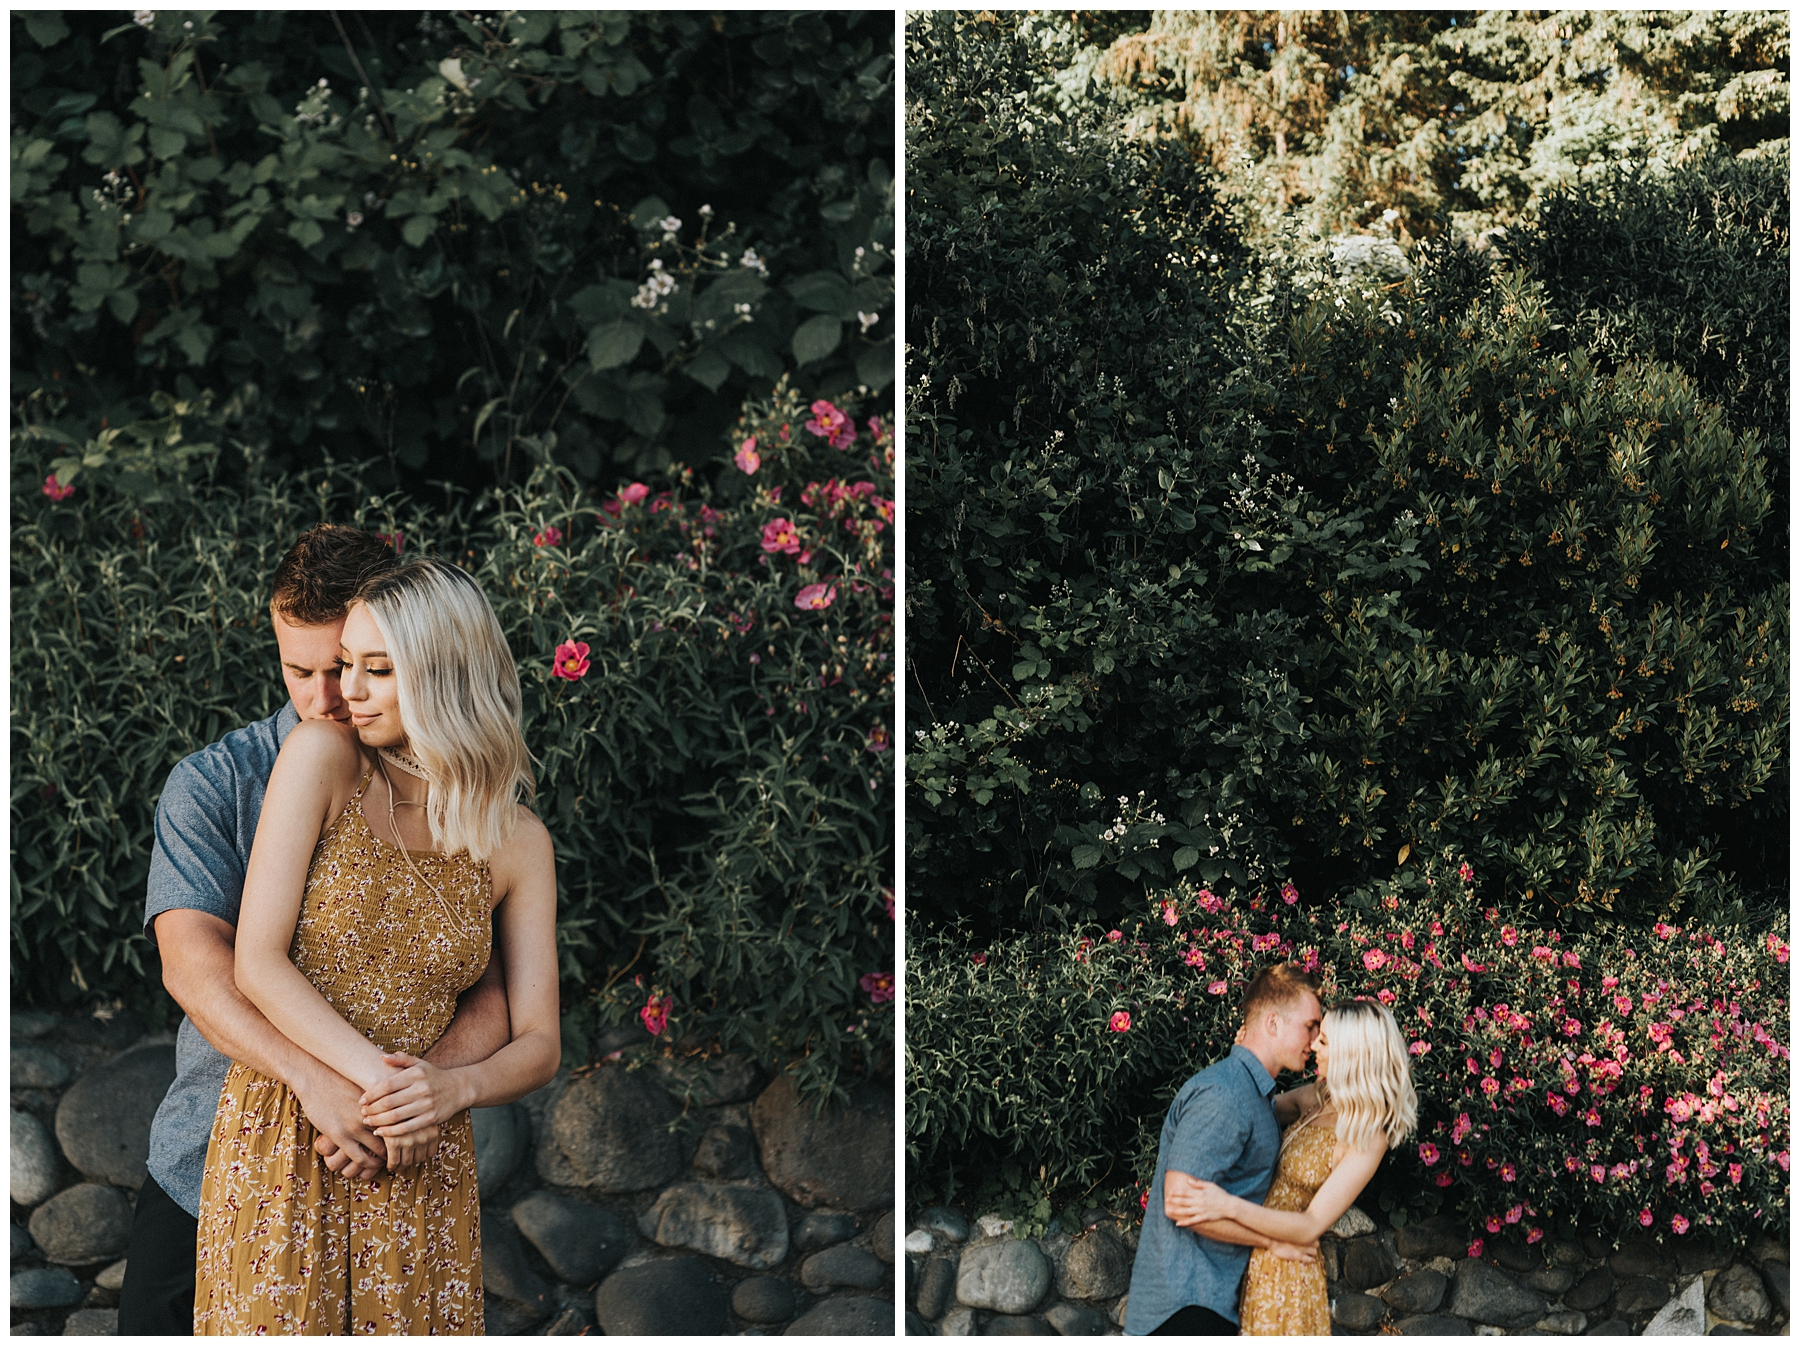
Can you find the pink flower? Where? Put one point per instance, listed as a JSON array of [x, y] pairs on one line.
[[1508, 936], [395, 539], [1571, 1027], [887, 898], [1509, 1172], [978, 958], [1120, 1022], [571, 660], [1472, 967], [655, 1013], [1428, 1154], [1534, 1234], [1465, 872], [878, 985], [831, 425], [878, 740], [1114, 936], [634, 493], [1490, 1086], [1679, 1223], [1493, 1224], [1386, 996], [1443, 1179], [1170, 914], [813, 597], [1645, 1218], [1289, 894], [1475, 1248], [779, 535], [1460, 1128], [1512, 1216], [1263, 943], [1775, 945], [1419, 1048], [1144, 1200], [56, 490], [747, 458], [550, 536], [1217, 988], [1374, 960], [1597, 1172], [1194, 958]]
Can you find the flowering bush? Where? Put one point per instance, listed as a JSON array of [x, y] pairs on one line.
[[713, 764], [1616, 1078]]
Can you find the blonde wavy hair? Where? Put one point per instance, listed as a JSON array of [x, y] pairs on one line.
[[1370, 1075], [459, 701]]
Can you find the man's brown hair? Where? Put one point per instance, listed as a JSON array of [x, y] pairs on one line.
[[322, 571], [1277, 987]]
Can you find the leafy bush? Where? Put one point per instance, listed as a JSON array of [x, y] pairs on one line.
[[459, 245], [715, 765], [1658, 1057]]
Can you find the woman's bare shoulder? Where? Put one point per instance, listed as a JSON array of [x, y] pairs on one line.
[[323, 742], [528, 848]]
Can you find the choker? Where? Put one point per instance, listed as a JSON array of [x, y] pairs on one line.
[[411, 765]]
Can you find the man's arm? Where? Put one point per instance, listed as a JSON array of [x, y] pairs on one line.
[[198, 957], [1177, 1190]]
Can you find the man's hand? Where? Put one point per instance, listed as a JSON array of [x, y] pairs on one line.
[[1189, 1201], [329, 1102], [1295, 1252]]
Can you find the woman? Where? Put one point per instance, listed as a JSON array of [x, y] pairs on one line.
[[1362, 1103], [385, 850]]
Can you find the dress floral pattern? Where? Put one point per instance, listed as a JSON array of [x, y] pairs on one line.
[[1282, 1298], [287, 1246]]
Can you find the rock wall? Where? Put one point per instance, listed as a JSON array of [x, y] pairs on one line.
[[640, 1196], [967, 1277]]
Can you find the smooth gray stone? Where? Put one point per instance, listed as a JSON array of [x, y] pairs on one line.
[[1379, 257], [1640, 1257], [745, 1225], [1357, 1311], [1367, 1264], [1418, 1292], [502, 1139], [103, 1121], [676, 1296], [1727, 1330], [763, 1299], [1684, 1315], [1566, 1254], [822, 1228], [115, 1032], [726, 1151], [843, 1266], [580, 1242], [571, 1322], [1011, 1325], [917, 1326], [1695, 1254], [725, 1079], [841, 1160], [849, 1316], [937, 1287], [1006, 1276], [1486, 1294], [1775, 1276], [87, 1223], [36, 1168], [1434, 1325], [1737, 1293], [508, 1320], [1612, 1327], [1097, 1267], [21, 1242], [1422, 1240], [506, 1272], [36, 1067], [1077, 1320], [45, 1288], [959, 1322], [1568, 1323], [1593, 1289], [28, 1024], [1516, 1255], [113, 1278], [1550, 1281], [1639, 1295], [945, 1220], [612, 1126], [881, 1243], [92, 1323], [1766, 1249]]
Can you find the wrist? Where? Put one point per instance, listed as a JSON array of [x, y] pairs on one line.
[[465, 1088]]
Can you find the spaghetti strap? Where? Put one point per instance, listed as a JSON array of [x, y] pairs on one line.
[[354, 806]]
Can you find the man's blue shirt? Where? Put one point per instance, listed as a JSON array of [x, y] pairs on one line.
[[1221, 1127], [205, 824]]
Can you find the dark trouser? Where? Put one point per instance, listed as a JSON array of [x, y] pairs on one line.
[[1193, 1321], [157, 1299]]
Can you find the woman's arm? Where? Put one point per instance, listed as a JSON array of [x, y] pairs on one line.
[[422, 1094], [314, 776], [1212, 1202]]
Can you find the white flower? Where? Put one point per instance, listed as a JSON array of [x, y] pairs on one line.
[[143, 18], [751, 260], [354, 218], [706, 212], [651, 292], [1389, 216], [859, 252], [324, 84], [740, 308], [669, 224], [867, 320]]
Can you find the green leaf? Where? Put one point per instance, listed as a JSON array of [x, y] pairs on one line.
[[46, 26], [823, 291], [305, 232], [1086, 857], [709, 369], [166, 142], [875, 365], [415, 231], [647, 212], [817, 337], [614, 344], [1186, 858]]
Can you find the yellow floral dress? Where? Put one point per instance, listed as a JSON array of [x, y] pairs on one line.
[[285, 1245], [1282, 1298]]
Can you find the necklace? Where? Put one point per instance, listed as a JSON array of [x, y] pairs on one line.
[[400, 843], [406, 762]]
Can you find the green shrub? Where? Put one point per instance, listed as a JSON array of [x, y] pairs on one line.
[[1658, 1055], [717, 780]]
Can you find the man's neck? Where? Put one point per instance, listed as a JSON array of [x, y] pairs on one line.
[[1264, 1052]]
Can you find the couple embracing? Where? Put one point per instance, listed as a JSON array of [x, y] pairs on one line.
[[1248, 1179], [357, 912]]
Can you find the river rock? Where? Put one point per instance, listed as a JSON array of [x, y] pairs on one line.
[[745, 1225], [1353, 1223], [1513, 1253], [92, 1323], [1358, 1312], [1550, 1281], [113, 1278], [1593, 1289], [763, 1299], [1097, 1267], [1699, 1253], [35, 1167], [1737, 1293], [1006, 1276], [1775, 1277], [28, 1024], [726, 1151], [1684, 1315], [959, 1322], [1568, 1323], [580, 1242], [502, 1139], [1379, 258], [45, 1288], [1486, 1294], [506, 1272], [849, 1316], [1766, 1249], [674, 1296], [881, 1242], [88, 1223], [103, 1121], [1638, 1295], [1013, 1325], [1420, 1292], [1423, 1240], [1077, 1320], [844, 1265], [1566, 1254], [937, 1287], [38, 1068], [1367, 1264], [1434, 1325], [612, 1126], [725, 1079], [1612, 1327], [920, 1242], [1640, 1257], [843, 1159], [822, 1228], [945, 1220]]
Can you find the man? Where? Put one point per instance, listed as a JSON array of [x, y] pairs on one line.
[[1222, 1128], [205, 824]]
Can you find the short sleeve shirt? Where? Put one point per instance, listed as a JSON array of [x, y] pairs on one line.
[[1221, 1127], [205, 824]]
